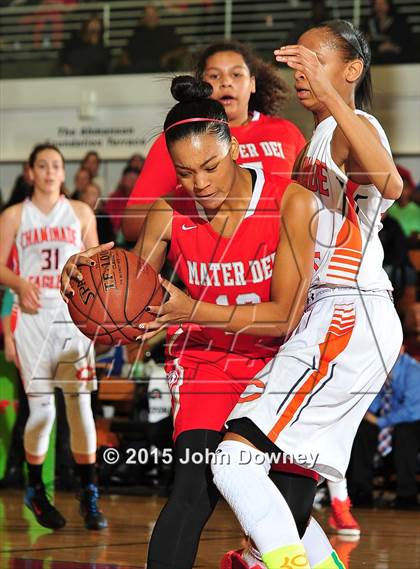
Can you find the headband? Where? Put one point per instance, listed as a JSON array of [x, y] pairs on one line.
[[196, 119], [344, 26]]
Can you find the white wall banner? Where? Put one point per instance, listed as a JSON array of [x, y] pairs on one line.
[[115, 132], [115, 115]]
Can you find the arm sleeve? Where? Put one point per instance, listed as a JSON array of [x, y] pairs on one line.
[[158, 176]]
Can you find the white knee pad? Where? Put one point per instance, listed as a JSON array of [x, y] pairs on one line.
[[237, 469], [38, 427], [81, 423], [241, 474]]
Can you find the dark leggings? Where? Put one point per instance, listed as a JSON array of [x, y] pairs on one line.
[[299, 493], [176, 535], [177, 532]]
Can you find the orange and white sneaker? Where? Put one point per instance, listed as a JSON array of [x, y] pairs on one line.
[[341, 519], [241, 559]]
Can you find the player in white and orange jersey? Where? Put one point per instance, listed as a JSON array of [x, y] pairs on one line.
[[332, 167], [311, 399], [44, 230]]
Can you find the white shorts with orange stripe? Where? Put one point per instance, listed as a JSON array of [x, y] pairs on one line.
[[53, 352], [310, 400]]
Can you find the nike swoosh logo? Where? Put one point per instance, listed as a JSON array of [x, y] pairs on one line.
[[187, 227]]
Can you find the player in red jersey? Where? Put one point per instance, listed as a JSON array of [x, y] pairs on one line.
[[222, 230], [253, 95]]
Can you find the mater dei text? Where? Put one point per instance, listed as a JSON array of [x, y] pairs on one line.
[[235, 273]]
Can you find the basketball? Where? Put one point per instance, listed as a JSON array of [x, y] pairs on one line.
[[109, 303]]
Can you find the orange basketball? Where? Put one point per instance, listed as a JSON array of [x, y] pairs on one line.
[[109, 303]]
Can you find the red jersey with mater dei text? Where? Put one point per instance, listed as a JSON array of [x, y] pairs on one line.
[[229, 270]]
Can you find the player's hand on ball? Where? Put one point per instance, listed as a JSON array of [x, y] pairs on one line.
[[28, 294], [303, 59], [177, 310], [70, 270]]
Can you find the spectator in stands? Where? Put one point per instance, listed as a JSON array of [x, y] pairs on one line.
[[47, 23], [85, 53], [319, 13], [92, 162], [389, 33], [136, 161], [152, 47], [401, 413], [397, 264], [412, 330], [406, 211], [81, 181], [22, 187], [117, 201], [91, 195]]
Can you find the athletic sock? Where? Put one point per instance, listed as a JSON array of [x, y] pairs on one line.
[[338, 490], [290, 556], [332, 562], [316, 543], [318, 548], [35, 475], [87, 473]]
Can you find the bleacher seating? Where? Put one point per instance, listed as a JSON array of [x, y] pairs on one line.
[[264, 24]]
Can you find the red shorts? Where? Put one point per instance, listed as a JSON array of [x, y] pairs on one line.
[[205, 387]]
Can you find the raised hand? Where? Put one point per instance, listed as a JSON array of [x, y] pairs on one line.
[[303, 59]]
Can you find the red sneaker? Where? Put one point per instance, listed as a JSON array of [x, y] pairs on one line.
[[341, 519], [234, 560]]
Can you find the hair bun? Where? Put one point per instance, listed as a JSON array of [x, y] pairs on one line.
[[186, 89]]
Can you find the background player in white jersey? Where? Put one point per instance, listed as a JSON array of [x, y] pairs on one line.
[[44, 230], [312, 399]]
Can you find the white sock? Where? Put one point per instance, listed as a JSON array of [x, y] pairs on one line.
[[338, 490], [241, 474], [316, 543]]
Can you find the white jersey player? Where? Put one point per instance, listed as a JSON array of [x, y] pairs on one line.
[[309, 401], [40, 234], [52, 350]]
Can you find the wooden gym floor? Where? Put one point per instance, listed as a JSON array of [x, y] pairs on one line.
[[390, 539]]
